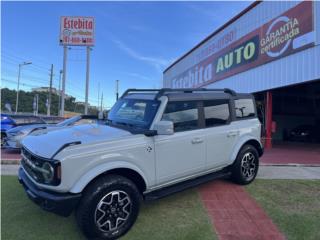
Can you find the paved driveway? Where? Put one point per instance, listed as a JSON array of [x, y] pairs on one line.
[[292, 153]]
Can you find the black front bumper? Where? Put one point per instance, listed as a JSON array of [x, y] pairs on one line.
[[60, 203]]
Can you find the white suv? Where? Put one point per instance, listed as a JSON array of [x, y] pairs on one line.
[[155, 142]]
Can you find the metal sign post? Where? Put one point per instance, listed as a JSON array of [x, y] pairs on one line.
[[64, 72], [59, 94], [76, 31], [50, 92], [87, 80]]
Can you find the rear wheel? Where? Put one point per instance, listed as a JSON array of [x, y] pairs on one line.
[[109, 207], [246, 165]]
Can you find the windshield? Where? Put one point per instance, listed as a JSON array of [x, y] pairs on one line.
[[133, 113], [68, 121], [27, 119]]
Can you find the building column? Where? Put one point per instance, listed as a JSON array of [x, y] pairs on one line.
[[268, 143]]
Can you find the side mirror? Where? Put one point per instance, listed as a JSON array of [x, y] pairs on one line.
[[164, 127]]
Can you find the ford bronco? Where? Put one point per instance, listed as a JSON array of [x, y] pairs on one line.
[[154, 143]]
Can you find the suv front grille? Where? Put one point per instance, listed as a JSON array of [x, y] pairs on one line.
[[32, 163]]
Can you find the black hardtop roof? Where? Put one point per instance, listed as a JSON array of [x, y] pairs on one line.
[[185, 94]]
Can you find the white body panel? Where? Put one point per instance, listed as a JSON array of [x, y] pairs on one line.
[[218, 140], [160, 160], [179, 155]]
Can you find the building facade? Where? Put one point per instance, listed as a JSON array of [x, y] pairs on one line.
[[270, 49]]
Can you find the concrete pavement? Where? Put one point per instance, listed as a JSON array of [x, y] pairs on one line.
[[288, 172], [9, 169]]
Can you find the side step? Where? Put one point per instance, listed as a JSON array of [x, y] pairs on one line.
[[156, 194]]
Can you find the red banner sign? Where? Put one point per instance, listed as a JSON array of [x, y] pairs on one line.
[[77, 31], [289, 33]]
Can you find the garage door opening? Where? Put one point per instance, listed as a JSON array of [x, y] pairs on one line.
[[294, 125], [295, 113]]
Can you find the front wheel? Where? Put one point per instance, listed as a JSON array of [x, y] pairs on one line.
[[246, 165], [109, 207]]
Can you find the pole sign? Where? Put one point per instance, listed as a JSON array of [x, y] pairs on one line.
[[286, 34], [78, 31]]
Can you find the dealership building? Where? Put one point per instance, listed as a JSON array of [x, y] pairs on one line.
[[270, 49]]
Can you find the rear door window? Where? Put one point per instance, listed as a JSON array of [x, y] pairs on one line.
[[216, 112], [244, 108], [184, 115]]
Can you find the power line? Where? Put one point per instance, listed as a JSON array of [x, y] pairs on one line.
[[75, 95], [15, 82], [15, 63], [19, 58], [73, 85], [29, 77]]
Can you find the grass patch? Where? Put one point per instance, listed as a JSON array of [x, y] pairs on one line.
[[294, 205], [180, 216]]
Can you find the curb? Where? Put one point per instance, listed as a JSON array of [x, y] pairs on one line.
[[10, 161], [288, 165]]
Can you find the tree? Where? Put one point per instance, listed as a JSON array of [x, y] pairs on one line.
[[26, 102]]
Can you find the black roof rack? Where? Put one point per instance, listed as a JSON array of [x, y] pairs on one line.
[[162, 91]]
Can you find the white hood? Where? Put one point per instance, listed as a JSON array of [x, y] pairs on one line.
[[46, 143]]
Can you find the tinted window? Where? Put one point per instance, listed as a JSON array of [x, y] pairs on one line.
[[34, 120], [51, 120], [68, 121], [216, 112], [184, 115], [27, 120], [84, 121], [18, 120], [244, 108]]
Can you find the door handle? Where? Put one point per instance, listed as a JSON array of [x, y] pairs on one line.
[[196, 140], [233, 134]]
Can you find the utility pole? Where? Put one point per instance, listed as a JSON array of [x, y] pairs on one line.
[[117, 90], [101, 101], [98, 94], [64, 71], [87, 81], [37, 104], [18, 85], [50, 91], [59, 102]]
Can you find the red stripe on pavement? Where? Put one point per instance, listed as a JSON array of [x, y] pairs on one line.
[[235, 214]]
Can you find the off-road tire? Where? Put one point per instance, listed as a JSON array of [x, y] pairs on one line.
[[241, 172], [94, 194]]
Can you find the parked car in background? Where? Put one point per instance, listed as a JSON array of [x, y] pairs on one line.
[[9, 121], [155, 143], [305, 133], [52, 119], [15, 135]]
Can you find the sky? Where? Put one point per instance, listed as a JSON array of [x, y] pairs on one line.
[[135, 42]]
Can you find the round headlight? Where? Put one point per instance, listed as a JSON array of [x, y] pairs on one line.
[[48, 173]]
